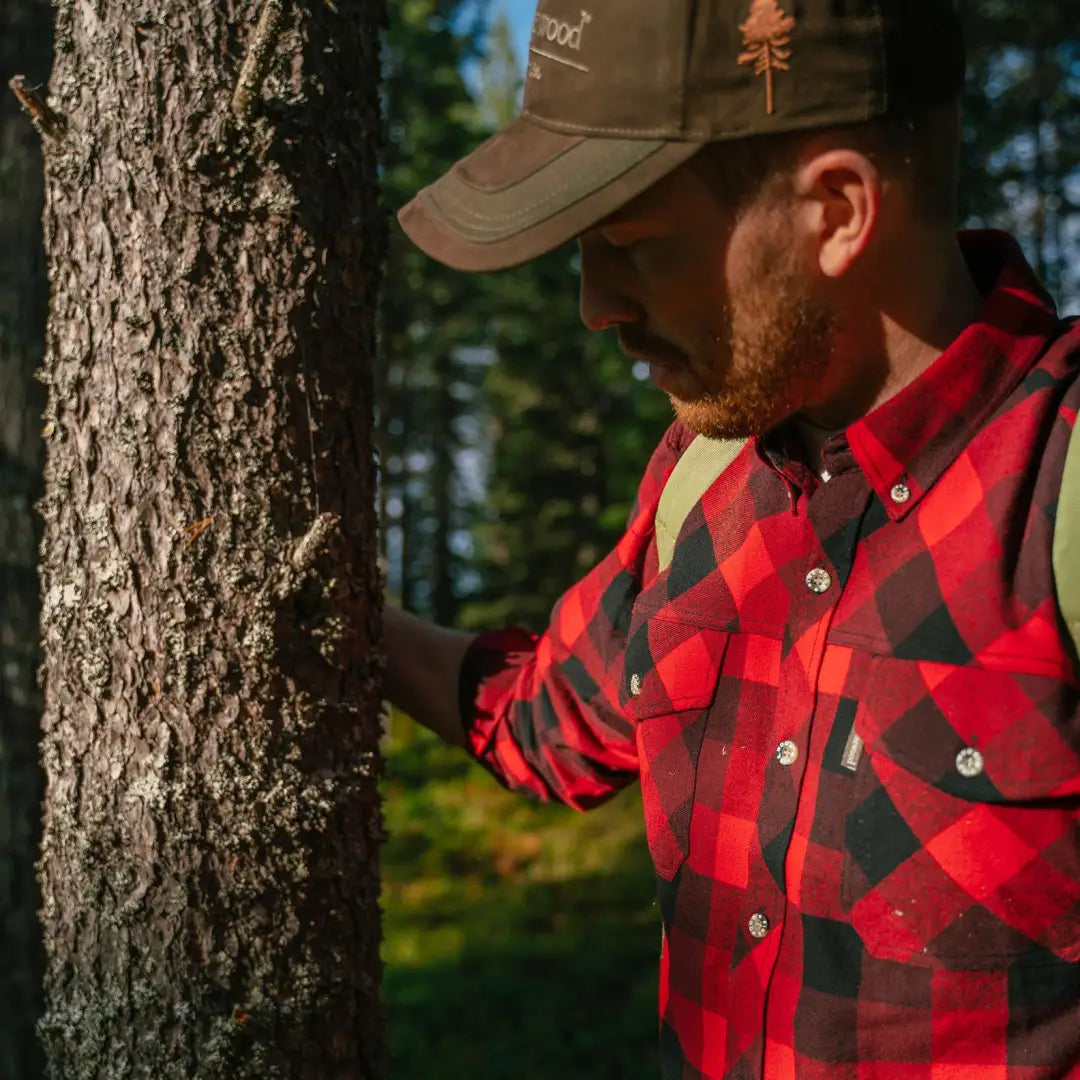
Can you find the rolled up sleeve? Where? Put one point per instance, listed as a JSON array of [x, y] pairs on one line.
[[542, 713]]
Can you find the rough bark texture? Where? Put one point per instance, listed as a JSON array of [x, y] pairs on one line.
[[210, 613], [25, 47]]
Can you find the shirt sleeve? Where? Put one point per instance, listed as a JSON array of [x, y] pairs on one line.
[[543, 713]]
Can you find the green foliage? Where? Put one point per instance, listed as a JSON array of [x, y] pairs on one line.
[[521, 939], [430, 322], [498, 366], [573, 429], [498, 77]]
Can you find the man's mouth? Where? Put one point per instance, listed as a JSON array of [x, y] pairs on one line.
[[664, 376], [655, 353]]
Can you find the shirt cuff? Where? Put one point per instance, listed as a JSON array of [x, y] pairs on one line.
[[486, 681]]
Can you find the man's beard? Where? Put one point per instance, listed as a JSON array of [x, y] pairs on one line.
[[780, 346]]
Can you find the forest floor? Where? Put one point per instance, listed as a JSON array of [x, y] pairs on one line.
[[521, 939]]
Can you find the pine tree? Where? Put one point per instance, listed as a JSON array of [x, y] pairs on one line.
[[571, 426], [767, 37], [431, 331], [209, 863]]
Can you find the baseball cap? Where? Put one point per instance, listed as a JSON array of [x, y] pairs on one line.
[[618, 93]]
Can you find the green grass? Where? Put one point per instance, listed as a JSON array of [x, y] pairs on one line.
[[521, 940]]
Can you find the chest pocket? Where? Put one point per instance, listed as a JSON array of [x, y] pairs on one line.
[[670, 679], [962, 845]]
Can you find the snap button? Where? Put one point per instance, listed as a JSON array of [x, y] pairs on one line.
[[969, 762], [900, 493], [758, 924], [787, 752], [818, 580], [635, 684]]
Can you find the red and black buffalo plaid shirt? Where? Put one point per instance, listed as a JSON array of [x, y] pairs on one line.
[[855, 716]]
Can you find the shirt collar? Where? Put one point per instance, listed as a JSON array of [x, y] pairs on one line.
[[905, 444]]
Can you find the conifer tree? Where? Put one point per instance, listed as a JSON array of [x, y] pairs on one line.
[[209, 863], [431, 328], [571, 422]]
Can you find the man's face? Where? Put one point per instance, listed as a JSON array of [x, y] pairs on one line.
[[720, 304]]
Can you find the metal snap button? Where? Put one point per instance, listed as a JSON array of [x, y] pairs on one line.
[[900, 493], [787, 753], [818, 580], [969, 762], [758, 924]]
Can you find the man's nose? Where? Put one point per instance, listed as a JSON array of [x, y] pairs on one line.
[[605, 300]]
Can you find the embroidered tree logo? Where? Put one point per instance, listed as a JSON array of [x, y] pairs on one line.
[[766, 35]]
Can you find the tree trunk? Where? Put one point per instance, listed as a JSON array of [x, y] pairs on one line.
[[25, 33], [210, 594]]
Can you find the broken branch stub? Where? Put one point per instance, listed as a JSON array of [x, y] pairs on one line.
[[47, 122]]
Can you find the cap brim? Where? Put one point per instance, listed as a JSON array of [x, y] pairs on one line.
[[528, 189]]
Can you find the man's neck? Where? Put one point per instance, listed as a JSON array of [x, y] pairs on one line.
[[921, 309], [913, 345]]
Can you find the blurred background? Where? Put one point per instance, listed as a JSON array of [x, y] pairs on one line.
[[520, 941]]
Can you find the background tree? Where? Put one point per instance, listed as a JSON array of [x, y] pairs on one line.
[[504, 918], [209, 857], [25, 45], [570, 420], [430, 321], [498, 76], [572, 426], [1021, 167]]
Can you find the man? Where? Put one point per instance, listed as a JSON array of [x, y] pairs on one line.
[[847, 688]]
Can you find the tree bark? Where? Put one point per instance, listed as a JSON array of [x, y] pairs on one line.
[[210, 593], [25, 37]]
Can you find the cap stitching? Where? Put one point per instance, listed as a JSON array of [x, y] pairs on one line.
[[486, 191], [449, 197], [592, 129]]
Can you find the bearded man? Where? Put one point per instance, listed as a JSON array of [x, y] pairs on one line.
[[840, 667]]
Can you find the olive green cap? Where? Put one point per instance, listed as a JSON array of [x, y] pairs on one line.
[[620, 92]]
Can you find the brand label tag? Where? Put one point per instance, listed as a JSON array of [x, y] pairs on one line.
[[852, 751]]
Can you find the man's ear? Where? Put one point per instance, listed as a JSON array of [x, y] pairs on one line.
[[842, 190]]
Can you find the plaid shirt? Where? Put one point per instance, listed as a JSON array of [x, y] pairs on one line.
[[856, 720]]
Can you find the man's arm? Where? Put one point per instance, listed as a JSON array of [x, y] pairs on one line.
[[423, 662], [543, 713]]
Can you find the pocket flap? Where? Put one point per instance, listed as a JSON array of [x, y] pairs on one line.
[[976, 733], [670, 666]]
